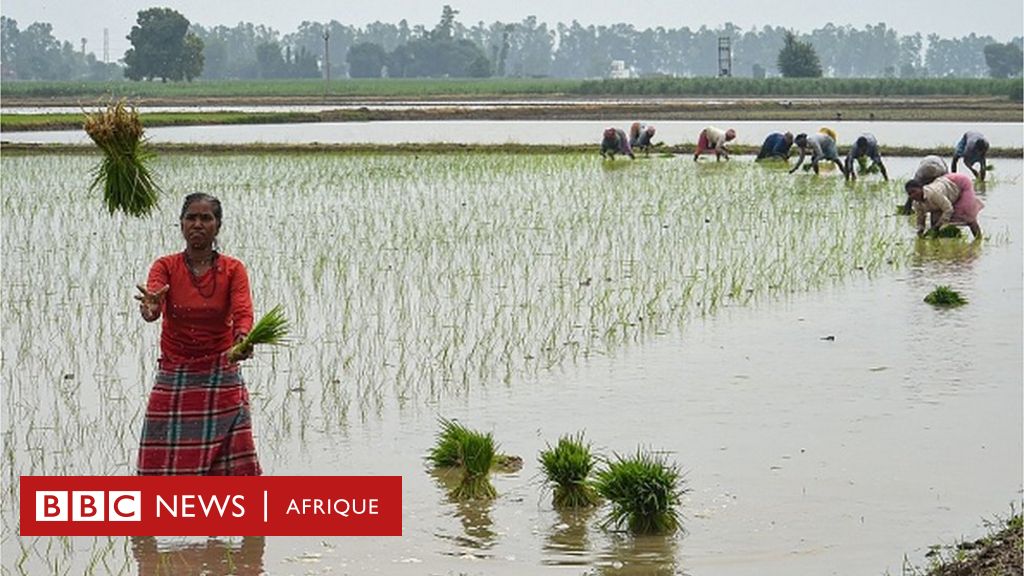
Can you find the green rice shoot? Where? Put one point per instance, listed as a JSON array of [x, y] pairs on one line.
[[471, 451], [568, 466], [946, 297], [124, 173], [447, 450], [478, 455], [644, 491], [944, 232], [271, 329]]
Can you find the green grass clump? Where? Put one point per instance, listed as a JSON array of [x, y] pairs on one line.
[[447, 451], [123, 173], [998, 552], [473, 452], [644, 491], [568, 466], [945, 296], [271, 329]]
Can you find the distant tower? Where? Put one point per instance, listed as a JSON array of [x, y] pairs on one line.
[[327, 56], [724, 56], [106, 46]]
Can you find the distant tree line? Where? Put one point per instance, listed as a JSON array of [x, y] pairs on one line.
[[34, 54], [533, 49]]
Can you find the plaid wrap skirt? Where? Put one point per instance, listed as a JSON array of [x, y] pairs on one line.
[[198, 423]]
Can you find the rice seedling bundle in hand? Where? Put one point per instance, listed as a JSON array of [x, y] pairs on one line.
[[271, 329], [944, 232], [568, 466], [644, 492], [123, 173], [946, 297], [473, 452]]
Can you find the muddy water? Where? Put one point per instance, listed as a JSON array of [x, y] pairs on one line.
[[918, 134], [804, 454], [830, 433], [827, 433]]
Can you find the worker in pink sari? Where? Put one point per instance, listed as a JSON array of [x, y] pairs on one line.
[[949, 199], [712, 138]]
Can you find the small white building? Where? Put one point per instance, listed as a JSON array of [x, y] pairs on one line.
[[619, 70]]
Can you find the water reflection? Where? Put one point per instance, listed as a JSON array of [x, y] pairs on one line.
[[568, 541], [947, 249], [211, 557], [477, 534], [639, 555]]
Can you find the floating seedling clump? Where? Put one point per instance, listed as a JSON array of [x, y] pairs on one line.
[[567, 467], [123, 173], [946, 297], [271, 329], [644, 491], [472, 452]]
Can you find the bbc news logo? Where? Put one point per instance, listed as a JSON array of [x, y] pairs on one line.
[[198, 505], [89, 506]]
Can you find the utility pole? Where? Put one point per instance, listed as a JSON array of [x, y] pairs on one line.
[[106, 46], [724, 57], [83, 47], [327, 61]]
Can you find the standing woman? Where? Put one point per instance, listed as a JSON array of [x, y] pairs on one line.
[[198, 420]]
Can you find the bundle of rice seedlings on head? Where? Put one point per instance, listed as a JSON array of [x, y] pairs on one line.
[[271, 329], [945, 296], [123, 173], [644, 491], [472, 452], [568, 466]]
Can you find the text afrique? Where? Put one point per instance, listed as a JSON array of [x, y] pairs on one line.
[[344, 507]]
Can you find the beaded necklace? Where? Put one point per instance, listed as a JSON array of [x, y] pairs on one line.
[[195, 277]]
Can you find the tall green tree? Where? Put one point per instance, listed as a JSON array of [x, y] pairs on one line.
[[162, 47], [366, 60], [445, 28], [798, 59], [34, 54], [438, 53], [1004, 60]]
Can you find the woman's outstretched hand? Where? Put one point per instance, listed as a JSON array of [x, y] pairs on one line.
[[151, 303]]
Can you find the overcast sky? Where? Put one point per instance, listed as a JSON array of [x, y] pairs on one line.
[[75, 19]]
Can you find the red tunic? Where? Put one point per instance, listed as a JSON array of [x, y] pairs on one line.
[[201, 316]]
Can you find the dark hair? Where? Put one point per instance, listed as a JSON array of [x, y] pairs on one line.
[[801, 139], [912, 183], [218, 212], [981, 145]]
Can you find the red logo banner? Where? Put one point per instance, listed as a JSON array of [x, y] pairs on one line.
[[211, 505]]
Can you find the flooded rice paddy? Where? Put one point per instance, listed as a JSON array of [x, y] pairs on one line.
[[765, 331], [752, 133]]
